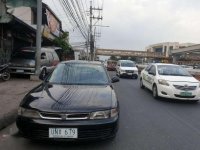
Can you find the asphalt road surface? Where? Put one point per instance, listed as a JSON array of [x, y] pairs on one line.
[[145, 124]]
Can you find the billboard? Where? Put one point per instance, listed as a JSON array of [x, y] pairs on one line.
[[52, 23]]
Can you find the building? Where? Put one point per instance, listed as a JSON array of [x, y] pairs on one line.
[[167, 47], [18, 28]]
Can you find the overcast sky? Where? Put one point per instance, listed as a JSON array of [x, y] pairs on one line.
[[135, 24]]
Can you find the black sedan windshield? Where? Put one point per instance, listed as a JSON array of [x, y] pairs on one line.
[[172, 70], [79, 74]]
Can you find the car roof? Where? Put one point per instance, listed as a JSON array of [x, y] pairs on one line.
[[33, 49], [82, 62], [126, 61], [164, 64]]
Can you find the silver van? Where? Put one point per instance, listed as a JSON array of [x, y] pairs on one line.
[[23, 61]]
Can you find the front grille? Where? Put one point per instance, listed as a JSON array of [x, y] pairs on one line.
[[180, 96], [185, 88], [129, 71], [95, 133], [64, 116]]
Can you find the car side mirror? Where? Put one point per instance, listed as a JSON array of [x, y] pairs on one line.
[[114, 79], [42, 76], [152, 73]]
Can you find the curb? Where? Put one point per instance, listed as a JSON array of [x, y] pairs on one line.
[[8, 118]]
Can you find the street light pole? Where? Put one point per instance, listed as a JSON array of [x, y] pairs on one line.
[[38, 37]]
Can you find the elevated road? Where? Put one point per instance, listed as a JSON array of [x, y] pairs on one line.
[[131, 53], [194, 48]]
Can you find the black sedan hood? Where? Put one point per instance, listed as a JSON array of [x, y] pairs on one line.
[[69, 98]]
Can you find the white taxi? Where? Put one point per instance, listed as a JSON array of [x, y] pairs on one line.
[[170, 81]]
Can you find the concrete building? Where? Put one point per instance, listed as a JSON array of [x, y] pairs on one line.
[[167, 47], [18, 28]]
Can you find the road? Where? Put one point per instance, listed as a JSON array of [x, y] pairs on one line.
[[145, 124]]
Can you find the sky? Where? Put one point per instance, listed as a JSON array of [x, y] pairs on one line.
[[135, 24]]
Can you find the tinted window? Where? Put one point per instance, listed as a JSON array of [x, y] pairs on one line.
[[127, 64], [78, 74], [172, 70], [55, 56], [148, 67], [153, 70], [24, 55]]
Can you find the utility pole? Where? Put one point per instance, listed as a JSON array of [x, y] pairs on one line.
[[38, 37], [91, 35], [91, 49]]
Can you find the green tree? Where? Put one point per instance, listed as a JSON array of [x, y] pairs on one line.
[[62, 42], [113, 58]]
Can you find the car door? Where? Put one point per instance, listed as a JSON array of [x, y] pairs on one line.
[[151, 76], [144, 74]]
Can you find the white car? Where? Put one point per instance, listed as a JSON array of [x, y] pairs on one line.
[[170, 81], [126, 68]]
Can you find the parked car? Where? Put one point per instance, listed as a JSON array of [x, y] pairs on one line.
[[111, 65], [23, 61], [126, 68], [196, 66], [170, 81], [76, 101]]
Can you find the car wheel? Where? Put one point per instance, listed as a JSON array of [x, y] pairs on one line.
[[6, 76], [135, 76], [155, 92], [141, 84]]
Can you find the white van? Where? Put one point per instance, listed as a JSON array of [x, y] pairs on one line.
[[126, 68]]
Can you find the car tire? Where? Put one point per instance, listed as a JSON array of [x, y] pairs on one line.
[[155, 91], [5, 76], [141, 84], [135, 76]]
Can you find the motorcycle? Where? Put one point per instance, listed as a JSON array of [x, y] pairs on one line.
[[4, 72]]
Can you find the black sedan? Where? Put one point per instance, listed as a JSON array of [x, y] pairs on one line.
[[75, 102]]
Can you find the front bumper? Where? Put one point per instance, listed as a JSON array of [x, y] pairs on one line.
[[173, 93], [87, 129], [22, 70], [129, 73]]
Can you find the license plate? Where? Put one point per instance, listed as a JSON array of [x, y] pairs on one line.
[[186, 94], [63, 133], [20, 71]]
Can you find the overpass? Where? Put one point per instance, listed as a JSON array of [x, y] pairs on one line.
[[130, 53], [187, 55], [194, 48]]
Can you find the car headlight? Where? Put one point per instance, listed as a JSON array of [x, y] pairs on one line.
[[104, 114], [28, 113], [32, 65], [114, 112], [163, 82]]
